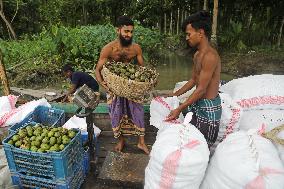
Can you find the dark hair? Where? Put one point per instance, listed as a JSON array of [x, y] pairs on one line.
[[67, 67], [124, 21], [199, 20]]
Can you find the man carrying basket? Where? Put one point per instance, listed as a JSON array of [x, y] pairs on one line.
[[127, 117]]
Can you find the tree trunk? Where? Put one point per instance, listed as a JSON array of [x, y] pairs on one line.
[[84, 15], [165, 23], [178, 22], [3, 77], [280, 33], [171, 24], [214, 24], [9, 26], [205, 5], [182, 16]]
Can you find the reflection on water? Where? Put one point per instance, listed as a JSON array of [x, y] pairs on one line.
[[173, 68]]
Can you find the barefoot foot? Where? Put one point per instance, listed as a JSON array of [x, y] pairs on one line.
[[143, 147], [119, 146]]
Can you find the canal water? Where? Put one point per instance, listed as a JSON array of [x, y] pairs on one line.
[[174, 68]]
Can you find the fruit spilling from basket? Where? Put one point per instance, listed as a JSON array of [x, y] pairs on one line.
[[131, 71], [40, 138]]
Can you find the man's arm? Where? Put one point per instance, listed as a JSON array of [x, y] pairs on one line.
[[71, 90], [102, 60], [209, 64], [139, 56]]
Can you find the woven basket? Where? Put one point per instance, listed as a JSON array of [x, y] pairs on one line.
[[130, 89]]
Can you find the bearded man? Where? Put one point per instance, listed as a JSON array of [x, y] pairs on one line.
[[127, 117]]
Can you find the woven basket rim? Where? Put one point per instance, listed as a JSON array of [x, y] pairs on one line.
[[138, 82]]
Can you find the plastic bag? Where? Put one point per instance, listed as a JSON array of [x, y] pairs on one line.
[[81, 124]]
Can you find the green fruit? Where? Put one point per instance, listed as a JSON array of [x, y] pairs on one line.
[[44, 130], [59, 140], [41, 150], [65, 140], [37, 132], [54, 129], [64, 131], [36, 143], [57, 134], [44, 134], [18, 143], [50, 134], [52, 141], [45, 146], [54, 148], [15, 138], [61, 147], [11, 142], [71, 134], [34, 149], [39, 138], [30, 133], [33, 138], [45, 140], [29, 128]]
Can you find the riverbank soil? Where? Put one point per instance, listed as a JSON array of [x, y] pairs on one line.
[[252, 63], [249, 63]]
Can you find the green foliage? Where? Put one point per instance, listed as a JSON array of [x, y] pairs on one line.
[[232, 36], [45, 53]]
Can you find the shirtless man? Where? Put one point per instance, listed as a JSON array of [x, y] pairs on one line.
[[204, 102], [127, 117]]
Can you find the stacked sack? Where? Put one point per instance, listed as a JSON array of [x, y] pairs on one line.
[[245, 160], [261, 97], [180, 154]]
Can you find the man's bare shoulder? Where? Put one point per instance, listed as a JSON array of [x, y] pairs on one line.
[[136, 47], [211, 55], [110, 45]]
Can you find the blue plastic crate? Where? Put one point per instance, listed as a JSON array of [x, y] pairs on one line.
[[25, 181], [52, 165], [44, 115], [86, 161], [84, 136]]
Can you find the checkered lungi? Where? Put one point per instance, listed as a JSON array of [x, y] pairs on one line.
[[206, 118]]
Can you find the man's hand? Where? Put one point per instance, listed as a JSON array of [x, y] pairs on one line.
[[65, 98], [174, 114], [104, 85], [171, 94]]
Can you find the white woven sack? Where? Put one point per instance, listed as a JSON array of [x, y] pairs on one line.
[[159, 112], [255, 85], [184, 96], [254, 119], [18, 114], [245, 160], [230, 118], [7, 103], [175, 162]]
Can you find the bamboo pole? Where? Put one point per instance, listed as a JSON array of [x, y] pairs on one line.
[[3, 77]]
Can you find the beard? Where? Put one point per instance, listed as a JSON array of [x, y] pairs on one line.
[[125, 42]]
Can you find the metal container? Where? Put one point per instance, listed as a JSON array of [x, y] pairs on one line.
[[86, 98]]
